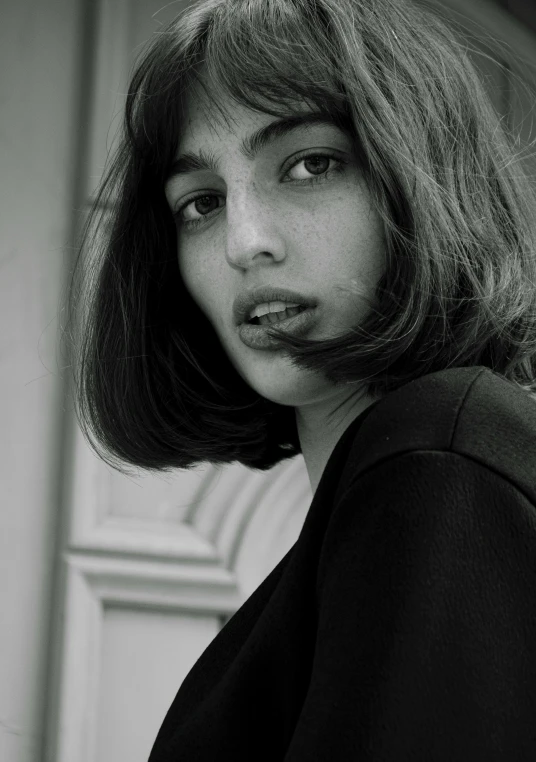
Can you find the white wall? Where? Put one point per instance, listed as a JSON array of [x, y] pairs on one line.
[[39, 76]]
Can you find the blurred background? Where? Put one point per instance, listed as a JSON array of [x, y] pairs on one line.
[[111, 586]]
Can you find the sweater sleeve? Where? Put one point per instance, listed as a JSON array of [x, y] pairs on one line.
[[426, 629]]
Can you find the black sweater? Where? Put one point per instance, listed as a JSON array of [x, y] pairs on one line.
[[401, 625]]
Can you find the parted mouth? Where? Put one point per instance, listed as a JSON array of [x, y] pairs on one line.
[[274, 312], [244, 306]]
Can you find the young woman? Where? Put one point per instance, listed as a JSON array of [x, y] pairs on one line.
[[319, 241]]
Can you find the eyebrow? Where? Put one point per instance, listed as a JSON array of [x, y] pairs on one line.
[[251, 145]]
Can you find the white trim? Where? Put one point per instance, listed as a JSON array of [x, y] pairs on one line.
[[111, 59], [217, 507], [93, 583]]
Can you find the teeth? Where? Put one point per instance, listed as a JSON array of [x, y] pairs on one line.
[[267, 307], [278, 316]]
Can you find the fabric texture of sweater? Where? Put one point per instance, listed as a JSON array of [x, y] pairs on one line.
[[401, 625]]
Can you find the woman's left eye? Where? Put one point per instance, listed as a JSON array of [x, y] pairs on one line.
[[317, 165]]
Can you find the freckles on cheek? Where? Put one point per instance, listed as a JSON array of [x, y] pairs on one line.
[[189, 279], [312, 227]]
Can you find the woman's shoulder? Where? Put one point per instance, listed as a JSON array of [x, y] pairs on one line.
[[471, 412]]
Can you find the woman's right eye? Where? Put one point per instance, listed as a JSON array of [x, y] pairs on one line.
[[200, 205]]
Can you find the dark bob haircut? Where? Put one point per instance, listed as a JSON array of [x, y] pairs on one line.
[[152, 382]]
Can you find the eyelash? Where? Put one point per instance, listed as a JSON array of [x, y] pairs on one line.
[[307, 181]]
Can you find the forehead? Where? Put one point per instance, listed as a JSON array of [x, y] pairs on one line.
[[205, 116]]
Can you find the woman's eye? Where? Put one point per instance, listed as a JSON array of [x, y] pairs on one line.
[[198, 208], [312, 165]]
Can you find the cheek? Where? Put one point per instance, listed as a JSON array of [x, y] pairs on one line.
[[347, 250], [345, 234], [191, 275]]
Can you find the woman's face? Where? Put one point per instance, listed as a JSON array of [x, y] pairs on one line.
[[294, 214]]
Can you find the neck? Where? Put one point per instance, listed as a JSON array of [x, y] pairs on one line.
[[319, 431]]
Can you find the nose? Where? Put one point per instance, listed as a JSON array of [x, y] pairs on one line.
[[253, 232]]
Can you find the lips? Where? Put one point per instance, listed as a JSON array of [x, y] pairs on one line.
[[247, 300], [257, 337]]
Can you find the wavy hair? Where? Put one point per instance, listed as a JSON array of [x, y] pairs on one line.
[[152, 382]]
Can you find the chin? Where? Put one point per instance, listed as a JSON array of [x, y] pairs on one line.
[[288, 385], [281, 394]]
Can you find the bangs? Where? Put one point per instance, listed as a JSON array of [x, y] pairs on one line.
[[268, 55], [264, 56]]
